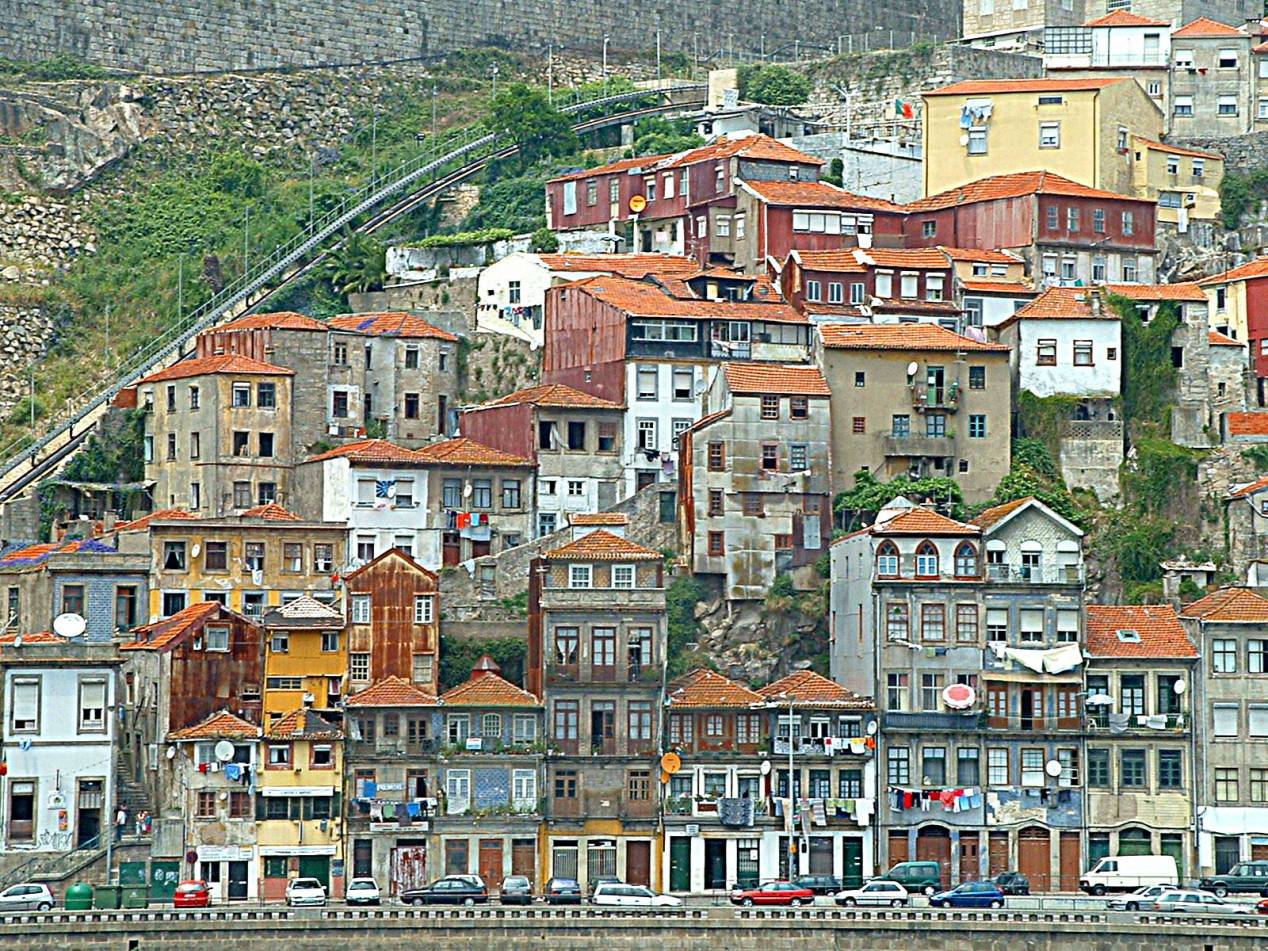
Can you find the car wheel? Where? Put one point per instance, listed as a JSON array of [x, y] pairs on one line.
[[468, 901], [928, 890], [1220, 891], [416, 901], [796, 903], [896, 903], [1098, 890], [997, 904], [45, 906], [747, 903], [850, 902], [1133, 906]]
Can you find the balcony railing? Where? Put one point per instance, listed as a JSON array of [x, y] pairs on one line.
[[971, 720], [393, 747], [914, 444], [815, 746], [927, 396], [1036, 574], [1100, 720]]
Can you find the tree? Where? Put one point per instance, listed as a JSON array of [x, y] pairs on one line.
[[659, 136], [775, 86], [358, 265], [545, 241], [539, 129]]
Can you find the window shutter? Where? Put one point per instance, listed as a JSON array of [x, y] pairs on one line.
[[26, 700], [260, 813]]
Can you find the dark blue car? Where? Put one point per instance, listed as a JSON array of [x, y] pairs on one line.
[[969, 895]]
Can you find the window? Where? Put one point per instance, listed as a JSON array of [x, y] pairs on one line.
[[933, 765], [359, 667], [770, 407], [751, 503], [1199, 167], [798, 407], [1072, 218], [715, 502], [607, 437], [1098, 767], [279, 755], [1046, 353], [1226, 785], [280, 642], [716, 456], [1257, 720], [1131, 767], [977, 426], [1069, 760], [1226, 106], [857, 291], [926, 560], [73, 599], [1050, 135], [1256, 654], [241, 395], [1183, 105], [977, 142], [909, 285], [623, 576], [482, 493], [1053, 217], [361, 609], [125, 607], [836, 292], [646, 430], [1226, 716], [884, 282], [797, 457], [898, 772], [1129, 228], [887, 563], [1083, 353], [814, 291], [929, 228], [936, 424], [858, 425], [510, 493], [173, 556], [451, 494], [896, 691], [933, 287], [717, 544], [770, 457], [1032, 772], [647, 378], [933, 619], [1224, 656], [1227, 59], [206, 807], [171, 445], [580, 576], [900, 425], [997, 771], [931, 691], [565, 779], [412, 404], [423, 608], [966, 623], [1170, 773], [1098, 220], [339, 404], [1258, 784], [92, 706], [266, 395]]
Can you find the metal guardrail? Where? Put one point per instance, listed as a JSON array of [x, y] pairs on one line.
[[59, 864], [471, 144]]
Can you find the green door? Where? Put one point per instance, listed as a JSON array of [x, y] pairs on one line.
[[1173, 845], [1135, 842], [680, 864], [315, 866], [852, 864], [163, 879]]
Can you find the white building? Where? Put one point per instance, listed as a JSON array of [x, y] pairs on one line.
[[1066, 342], [664, 399], [60, 728]]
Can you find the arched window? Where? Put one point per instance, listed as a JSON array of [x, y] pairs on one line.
[[966, 561], [1031, 560], [926, 560], [887, 560]]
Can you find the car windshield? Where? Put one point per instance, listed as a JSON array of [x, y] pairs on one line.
[[516, 882], [189, 887], [358, 884], [306, 883]]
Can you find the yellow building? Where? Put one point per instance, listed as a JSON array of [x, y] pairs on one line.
[[1184, 182], [1078, 128], [305, 658], [299, 832]]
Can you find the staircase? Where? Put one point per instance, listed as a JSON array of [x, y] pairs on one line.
[[55, 867], [134, 797]]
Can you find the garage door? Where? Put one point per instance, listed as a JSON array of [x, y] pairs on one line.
[[1034, 858], [933, 844], [897, 848], [1071, 862]]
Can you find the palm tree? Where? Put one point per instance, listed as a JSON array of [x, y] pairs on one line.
[[358, 265]]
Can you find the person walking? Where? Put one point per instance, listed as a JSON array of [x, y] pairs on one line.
[[120, 823]]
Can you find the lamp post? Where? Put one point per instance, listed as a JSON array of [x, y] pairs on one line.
[[792, 797]]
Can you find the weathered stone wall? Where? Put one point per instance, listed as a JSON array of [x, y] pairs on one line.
[[187, 35], [1242, 153]]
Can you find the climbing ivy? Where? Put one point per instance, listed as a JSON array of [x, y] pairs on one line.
[[1149, 377], [870, 495]]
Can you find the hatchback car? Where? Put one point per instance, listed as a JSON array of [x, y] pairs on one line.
[[563, 891], [1193, 901], [516, 890], [631, 896], [362, 891], [773, 893], [1141, 898], [192, 894], [819, 884], [968, 895], [923, 877], [1011, 883], [305, 891], [447, 891], [877, 892], [26, 896], [598, 880]]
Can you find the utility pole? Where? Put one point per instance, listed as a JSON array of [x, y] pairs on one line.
[[246, 242], [107, 333], [493, 71], [550, 73], [433, 115], [606, 40], [311, 168], [658, 55], [180, 288], [374, 143]]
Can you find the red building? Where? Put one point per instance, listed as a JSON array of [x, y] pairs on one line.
[[1238, 302], [402, 635], [881, 284]]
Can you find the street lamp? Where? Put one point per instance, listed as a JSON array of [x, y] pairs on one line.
[[493, 71], [606, 40], [792, 797]]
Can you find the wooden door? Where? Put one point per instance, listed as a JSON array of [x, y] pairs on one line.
[[491, 863], [1259, 851], [450, 549], [933, 844], [638, 863], [998, 853], [898, 849], [1034, 858], [1071, 861], [970, 868], [524, 858]]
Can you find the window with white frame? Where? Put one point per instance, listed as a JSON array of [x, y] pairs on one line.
[[524, 788], [622, 576], [579, 576], [1032, 767], [524, 728], [491, 726], [1182, 105], [933, 286], [1227, 58], [1226, 106], [423, 607], [457, 791], [360, 609], [92, 705], [1050, 135]]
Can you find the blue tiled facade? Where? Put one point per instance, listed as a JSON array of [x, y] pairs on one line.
[[99, 600]]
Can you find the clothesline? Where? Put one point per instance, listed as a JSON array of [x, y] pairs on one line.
[[950, 799]]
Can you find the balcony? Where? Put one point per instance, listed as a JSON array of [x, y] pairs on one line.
[[927, 396], [645, 675], [814, 746], [912, 444], [1041, 724], [1100, 720], [393, 747], [613, 599], [1035, 574], [939, 722]]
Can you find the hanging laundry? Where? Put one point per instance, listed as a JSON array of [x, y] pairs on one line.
[[464, 520], [233, 771]]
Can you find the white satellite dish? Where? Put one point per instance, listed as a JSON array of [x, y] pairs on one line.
[[17, 640], [196, 550], [1179, 686], [1052, 768], [224, 751], [171, 752], [466, 491], [69, 625], [912, 368], [765, 767]]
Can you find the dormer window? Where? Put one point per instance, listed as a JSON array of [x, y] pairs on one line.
[[887, 560], [927, 560], [966, 561], [1128, 636]]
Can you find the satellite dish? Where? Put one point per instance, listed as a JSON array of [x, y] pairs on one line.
[[912, 368], [196, 550], [1179, 686], [671, 762], [466, 491], [1052, 768], [17, 641], [224, 751], [765, 767], [871, 728], [964, 140], [171, 752], [69, 625]]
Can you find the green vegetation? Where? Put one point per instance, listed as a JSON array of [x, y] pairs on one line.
[[869, 496], [463, 239], [115, 454], [1149, 377], [545, 241], [458, 657], [774, 85], [54, 69], [358, 265], [681, 597], [1034, 472], [836, 173], [1239, 192], [511, 203], [657, 135], [1043, 418], [537, 127]]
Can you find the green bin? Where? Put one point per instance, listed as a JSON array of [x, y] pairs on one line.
[[78, 897], [106, 897], [135, 896]]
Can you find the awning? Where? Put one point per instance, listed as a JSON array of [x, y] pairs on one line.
[[297, 850], [297, 791]]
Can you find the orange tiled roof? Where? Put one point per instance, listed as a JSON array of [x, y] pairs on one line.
[[760, 378], [468, 452], [1175, 149], [271, 512], [634, 265], [1016, 288], [761, 147], [996, 87], [704, 688], [392, 692], [989, 517], [837, 262], [1247, 424], [925, 258], [1228, 604], [487, 688], [981, 255], [1062, 303], [644, 300], [219, 725], [282, 320], [808, 688], [1243, 272], [620, 165], [603, 546], [224, 363], [1184, 290], [598, 518], [369, 450], [303, 725], [390, 324], [901, 337], [31, 551], [923, 521], [815, 195], [35, 637], [1125, 18], [144, 521], [1217, 339], [167, 631], [554, 395], [1014, 185], [1160, 632], [1250, 488], [1205, 26]]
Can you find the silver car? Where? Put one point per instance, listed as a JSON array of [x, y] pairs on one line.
[[305, 891], [26, 896], [1142, 897], [1194, 901]]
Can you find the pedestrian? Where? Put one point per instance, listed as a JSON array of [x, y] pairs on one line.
[[140, 822], [120, 823]]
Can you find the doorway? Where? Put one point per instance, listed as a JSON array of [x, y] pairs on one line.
[[933, 844], [237, 881], [89, 803], [1072, 862], [491, 862], [970, 867], [852, 862], [643, 478], [715, 864], [997, 857], [679, 864], [821, 855], [316, 866], [638, 863], [1034, 857], [524, 858]]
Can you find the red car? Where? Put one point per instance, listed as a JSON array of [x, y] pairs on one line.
[[773, 893], [192, 894], [1262, 907]]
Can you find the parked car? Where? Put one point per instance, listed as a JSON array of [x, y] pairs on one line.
[[26, 896], [1193, 901], [1011, 883], [602, 880], [469, 877], [876, 892], [305, 891], [1262, 907], [773, 893], [819, 884], [362, 891], [516, 890], [1242, 877], [631, 896], [1122, 873], [1141, 898], [969, 895], [563, 891], [923, 877], [192, 894], [456, 890]]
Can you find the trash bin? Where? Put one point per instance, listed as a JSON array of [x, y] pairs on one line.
[[134, 896], [78, 897], [106, 897]]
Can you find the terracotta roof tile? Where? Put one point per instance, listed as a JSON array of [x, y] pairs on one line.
[[1175, 149], [369, 450], [919, 258], [904, 305], [981, 255], [704, 688], [1062, 303], [468, 452], [167, 631], [554, 395], [923, 521], [1217, 339], [1243, 272], [282, 320], [271, 512], [620, 165], [303, 725], [1125, 18], [1159, 632], [35, 637], [645, 300], [901, 337], [1246, 424], [392, 692], [816, 195], [305, 609], [635, 266], [836, 262], [988, 517], [602, 546], [760, 378], [598, 518], [997, 87], [1205, 26], [807, 688], [1228, 604], [487, 688], [144, 521], [1013, 185], [1015, 288], [1250, 488], [749, 146], [391, 324], [1184, 290], [220, 725], [225, 363]]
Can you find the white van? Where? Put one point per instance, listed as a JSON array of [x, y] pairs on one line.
[[1123, 873]]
